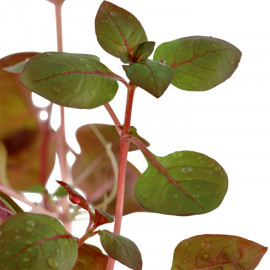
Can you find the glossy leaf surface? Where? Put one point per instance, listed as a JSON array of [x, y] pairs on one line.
[[152, 76], [94, 171], [21, 133], [190, 183], [35, 241], [217, 252], [72, 80], [90, 257], [117, 29], [143, 51], [199, 63], [121, 249], [8, 207]]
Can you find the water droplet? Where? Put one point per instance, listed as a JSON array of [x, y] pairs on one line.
[[195, 195], [175, 196], [130, 16], [56, 90], [211, 172], [30, 222], [17, 237], [26, 259], [17, 230], [198, 187], [194, 84], [91, 92], [48, 53], [104, 21], [7, 252], [205, 256], [145, 196], [162, 62], [113, 13], [198, 157], [231, 61], [53, 263], [205, 245], [184, 261], [212, 165], [65, 73], [217, 191], [217, 169], [29, 229], [186, 170], [76, 91], [29, 250]]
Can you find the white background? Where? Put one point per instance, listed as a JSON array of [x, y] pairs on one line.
[[229, 123]]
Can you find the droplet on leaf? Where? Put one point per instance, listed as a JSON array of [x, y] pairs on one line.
[[205, 256], [56, 90], [30, 222], [53, 263], [186, 170], [205, 245], [26, 259]]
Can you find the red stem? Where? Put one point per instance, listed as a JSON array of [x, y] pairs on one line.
[[61, 142], [124, 146]]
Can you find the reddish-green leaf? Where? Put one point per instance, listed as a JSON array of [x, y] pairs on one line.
[[199, 63], [8, 207], [102, 218], [121, 249], [117, 29], [143, 51], [152, 76], [94, 171], [185, 183], [74, 196], [72, 80], [21, 133], [35, 241], [90, 258], [217, 252]]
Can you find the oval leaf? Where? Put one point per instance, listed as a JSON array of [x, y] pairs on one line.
[[199, 63], [217, 252], [93, 170], [35, 241], [3, 165], [72, 80], [21, 132], [152, 76], [90, 258], [117, 29], [121, 249], [187, 183]]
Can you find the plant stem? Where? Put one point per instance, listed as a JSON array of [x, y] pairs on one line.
[[20, 197], [114, 118], [124, 146], [62, 148]]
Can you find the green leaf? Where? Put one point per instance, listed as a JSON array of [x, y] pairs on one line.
[[186, 183], [94, 171], [35, 241], [217, 252], [72, 80], [152, 76], [8, 207], [143, 51], [36, 189], [90, 258], [21, 132], [117, 29], [121, 249], [60, 192], [199, 63]]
